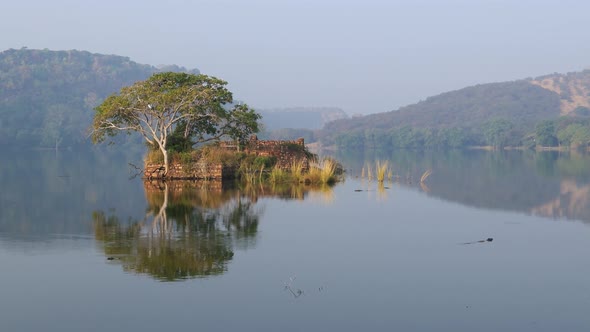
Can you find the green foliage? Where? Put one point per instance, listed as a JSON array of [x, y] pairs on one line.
[[186, 157], [215, 155], [264, 162], [497, 132], [278, 175], [451, 120], [46, 97], [350, 140], [297, 150], [191, 233], [405, 138], [566, 131], [545, 133], [575, 134], [581, 111], [157, 106], [184, 108], [177, 141]]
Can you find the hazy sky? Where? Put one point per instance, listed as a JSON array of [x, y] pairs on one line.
[[363, 56]]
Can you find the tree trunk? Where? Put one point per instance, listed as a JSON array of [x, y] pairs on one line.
[[165, 154], [160, 222]]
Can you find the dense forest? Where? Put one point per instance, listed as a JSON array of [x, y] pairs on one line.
[[47, 97], [525, 113]]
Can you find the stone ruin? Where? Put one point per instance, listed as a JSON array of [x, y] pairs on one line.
[[285, 151]]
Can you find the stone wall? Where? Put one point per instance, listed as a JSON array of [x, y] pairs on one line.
[[285, 152], [196, 170]]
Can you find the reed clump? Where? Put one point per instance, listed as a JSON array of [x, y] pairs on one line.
[[381, 170], [278, 175], [322, 172], [368, 171], [297, 170], [250, 174], [328, 170]]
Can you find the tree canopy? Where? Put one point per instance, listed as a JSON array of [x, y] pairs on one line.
[[195, 108]]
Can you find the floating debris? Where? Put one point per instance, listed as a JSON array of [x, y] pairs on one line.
[[297, 292], [489, 239]]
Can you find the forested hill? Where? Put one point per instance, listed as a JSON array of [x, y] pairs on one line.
[[47, 97], [506, 112], [295, 122]]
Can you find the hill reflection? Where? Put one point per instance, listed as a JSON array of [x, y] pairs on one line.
[[573, 202], [190, 229], [547, 184]]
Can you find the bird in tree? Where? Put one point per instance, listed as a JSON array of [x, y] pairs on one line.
[[198, 108]]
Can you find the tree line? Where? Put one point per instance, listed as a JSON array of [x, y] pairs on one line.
[[564, 132]]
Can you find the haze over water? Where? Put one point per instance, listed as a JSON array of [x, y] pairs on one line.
[[363, 56], [84, 248]]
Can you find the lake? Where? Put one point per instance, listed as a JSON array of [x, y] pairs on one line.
[[85, 248]]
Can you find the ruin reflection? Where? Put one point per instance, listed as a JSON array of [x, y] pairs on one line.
[[190, 229]]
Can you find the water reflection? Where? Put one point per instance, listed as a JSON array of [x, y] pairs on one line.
[[548, 184], [572, 202], [44, 193], [190, 229]]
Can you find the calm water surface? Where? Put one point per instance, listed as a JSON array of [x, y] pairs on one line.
[[83, 248]]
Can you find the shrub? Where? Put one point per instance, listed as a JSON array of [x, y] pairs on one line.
[[264, 162]]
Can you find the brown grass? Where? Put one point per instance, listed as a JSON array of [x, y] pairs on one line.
[[381, 169]]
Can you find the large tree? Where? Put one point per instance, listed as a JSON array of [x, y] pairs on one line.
[[198, 106]]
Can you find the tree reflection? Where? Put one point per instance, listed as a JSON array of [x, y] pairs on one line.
[[186, 233], [189, 229]]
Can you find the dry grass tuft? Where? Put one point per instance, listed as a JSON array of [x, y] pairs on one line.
[[322, 172], [381, 169]]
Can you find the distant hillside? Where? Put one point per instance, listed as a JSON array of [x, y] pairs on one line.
[[300, 117], [572, 88], [292, 123], [476, 115], [47, 97]]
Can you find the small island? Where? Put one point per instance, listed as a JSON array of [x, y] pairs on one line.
[[195, 130], [264, 160]]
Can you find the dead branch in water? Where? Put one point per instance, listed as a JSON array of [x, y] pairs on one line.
[[425, 175], [134, 171]]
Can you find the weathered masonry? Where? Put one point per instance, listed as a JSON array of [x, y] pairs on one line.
[[285, 152]]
